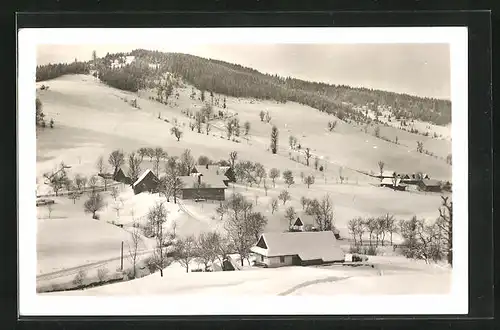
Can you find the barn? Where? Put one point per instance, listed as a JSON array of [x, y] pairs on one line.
[[203, 186], [429, 185], [146, 182], [297, 248], [120, 176]]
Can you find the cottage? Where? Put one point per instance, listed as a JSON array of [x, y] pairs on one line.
[[202, 186], [224, 173], [146, 182], [299, 248], [430, 185]]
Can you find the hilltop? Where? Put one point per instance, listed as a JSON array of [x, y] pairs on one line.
[[141, 69]]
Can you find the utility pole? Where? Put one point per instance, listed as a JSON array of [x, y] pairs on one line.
[[121, 259]]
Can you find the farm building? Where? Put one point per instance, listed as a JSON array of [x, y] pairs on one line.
[[120, 176], [146, 182], [225, 173], [386, 174], [305, 222], [202, 186], [297, 248], [429, 185], [390, 183]]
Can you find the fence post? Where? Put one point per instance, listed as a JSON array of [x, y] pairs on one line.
[[121, 259]]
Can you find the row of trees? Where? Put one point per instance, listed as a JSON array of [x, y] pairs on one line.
[[421, 239], [239, 81], [51, 71], [40, 115]]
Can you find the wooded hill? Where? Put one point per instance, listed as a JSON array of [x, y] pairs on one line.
[[239, 81]]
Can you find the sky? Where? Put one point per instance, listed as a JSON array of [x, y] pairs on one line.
[[415, 69]]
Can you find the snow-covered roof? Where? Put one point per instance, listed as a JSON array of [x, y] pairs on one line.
[[143, 175], [307, 245], [209, 180], [387, 173], [390, 181]]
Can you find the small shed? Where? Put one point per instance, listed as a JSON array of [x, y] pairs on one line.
[[146, 182], [430, 185]]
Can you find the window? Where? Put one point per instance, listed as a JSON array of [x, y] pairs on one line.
[[282, 260]]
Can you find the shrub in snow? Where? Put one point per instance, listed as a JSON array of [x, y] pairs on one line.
[[80, 278], [102, 273]]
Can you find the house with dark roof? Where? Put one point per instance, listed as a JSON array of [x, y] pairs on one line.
[[297, 248], [147, 181], [305, 222], [429, 185], [207, 186]]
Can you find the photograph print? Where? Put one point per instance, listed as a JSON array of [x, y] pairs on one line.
[[225, 168]]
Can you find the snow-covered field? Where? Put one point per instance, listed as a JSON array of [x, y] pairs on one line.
[[415, 278], [92, 119]]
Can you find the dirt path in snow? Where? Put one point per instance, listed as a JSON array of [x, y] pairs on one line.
[[313, 282], [75, 270]]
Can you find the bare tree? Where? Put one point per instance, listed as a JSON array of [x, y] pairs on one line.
[[284, 196], [233, 155], [371, 227], [198, 121], [445, 224], [332, 125], [221, 210], [377, 131], [246, 127], [159, 155], [238, 225], [93, 204], [208, 127], [307, 154], [265, 186], [116, 159], [57, 179], [304, 201], [142, 152], [381, 165], [207, 248], [175, 131], [50, 208], [114, 192], [420, 146], [100, 165], [185, 251], [74, 195], [322, 211], [262, 115], [133, 247], [274, 205], [352, 227], [92, 183], [134, 166], [391, 225], [309, 180], [157, 216], [316, 162], [260, 173], [268, 117], [290, 215], [288, 177], [273, 174]]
